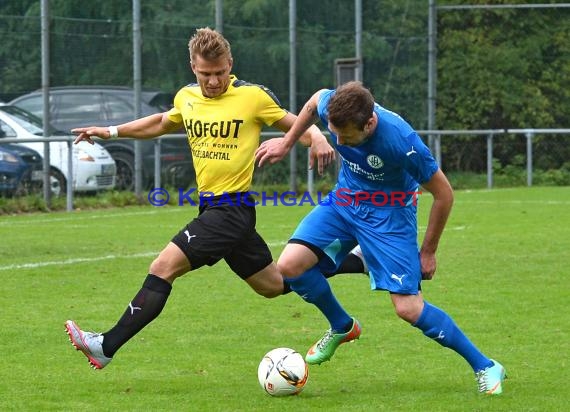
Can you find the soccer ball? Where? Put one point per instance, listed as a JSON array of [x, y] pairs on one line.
[[282, 372]]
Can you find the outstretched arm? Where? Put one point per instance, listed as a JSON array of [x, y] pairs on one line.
[[143, 128], [274, 150]]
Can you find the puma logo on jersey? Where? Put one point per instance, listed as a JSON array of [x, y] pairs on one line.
[[411, 152]]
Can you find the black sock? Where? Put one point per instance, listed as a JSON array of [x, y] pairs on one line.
[[286, 287], [145, 306], [350, 264]]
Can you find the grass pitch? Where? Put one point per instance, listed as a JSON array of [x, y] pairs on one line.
[[503, 276]]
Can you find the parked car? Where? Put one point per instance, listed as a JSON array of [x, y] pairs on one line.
[[93, 167], [32, 179], [14, 171], [76, 106]]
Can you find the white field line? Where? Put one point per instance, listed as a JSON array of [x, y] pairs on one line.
[[73, 261], [97, 216], [515, 202], [16, 220]]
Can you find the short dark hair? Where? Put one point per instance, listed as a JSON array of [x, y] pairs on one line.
[[352, 103]]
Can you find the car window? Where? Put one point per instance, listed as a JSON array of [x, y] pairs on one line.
[[83, 108], [25, 120], [6, 131], [33, 104], [118, 109], [162, 101]]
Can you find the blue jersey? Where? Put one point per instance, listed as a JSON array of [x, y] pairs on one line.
[[392, 161], [373, 203]]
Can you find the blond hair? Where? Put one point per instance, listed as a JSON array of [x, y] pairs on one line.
[[209, 44]]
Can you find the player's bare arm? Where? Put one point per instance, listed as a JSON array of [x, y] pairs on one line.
[[442, 194], [143, 128], [274, 150], [320, 148]]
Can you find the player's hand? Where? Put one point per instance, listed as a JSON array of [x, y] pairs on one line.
[[272, 151], [428, 265], [86, 133], [323, 152]]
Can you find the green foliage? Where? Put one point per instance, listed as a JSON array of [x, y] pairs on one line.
[[490, 77], [496, 68], [35, 203], [553, 177]]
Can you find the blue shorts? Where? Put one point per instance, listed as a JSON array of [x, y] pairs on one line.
[[387, 236]]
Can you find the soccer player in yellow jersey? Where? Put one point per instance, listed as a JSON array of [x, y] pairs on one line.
[[223, 117]]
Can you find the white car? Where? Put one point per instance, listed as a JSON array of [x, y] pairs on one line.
[[92, 166]]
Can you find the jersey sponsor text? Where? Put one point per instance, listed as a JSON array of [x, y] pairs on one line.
[[222, 128]]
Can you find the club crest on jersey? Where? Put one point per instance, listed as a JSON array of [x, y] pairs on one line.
[[374, 161]]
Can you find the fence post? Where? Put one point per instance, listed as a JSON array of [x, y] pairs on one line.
[[489, 161], [157, 163], [438, 149], [529, 136], [69, 187]]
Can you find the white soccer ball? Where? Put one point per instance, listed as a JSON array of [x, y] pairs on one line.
[[282, 371]]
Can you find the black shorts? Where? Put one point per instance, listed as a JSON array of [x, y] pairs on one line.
[[225, 231]]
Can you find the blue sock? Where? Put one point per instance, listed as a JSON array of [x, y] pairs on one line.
[[314, 288], [439, 326]]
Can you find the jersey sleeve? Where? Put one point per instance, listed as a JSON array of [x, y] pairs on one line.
[[270, 109], [322, 106], [419, 162], [174, 114]]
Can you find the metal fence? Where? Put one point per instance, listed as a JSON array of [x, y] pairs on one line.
[[535, 151], [524, 150]]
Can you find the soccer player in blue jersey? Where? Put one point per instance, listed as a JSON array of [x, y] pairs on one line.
[[373, 204]]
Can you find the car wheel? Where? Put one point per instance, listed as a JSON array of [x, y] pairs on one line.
[[125, 163], [57, 183], [179, 175]]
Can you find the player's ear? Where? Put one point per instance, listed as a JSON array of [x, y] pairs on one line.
[[370, 125]]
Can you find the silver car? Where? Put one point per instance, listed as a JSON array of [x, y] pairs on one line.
[[93, 168]]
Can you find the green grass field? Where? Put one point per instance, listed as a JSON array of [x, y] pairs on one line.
[[503, 276]]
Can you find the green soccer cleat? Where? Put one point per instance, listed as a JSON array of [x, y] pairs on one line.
[[490, 380], [325, 347]]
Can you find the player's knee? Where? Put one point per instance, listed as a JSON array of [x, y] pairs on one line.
[[289, 268], [162, 268], [406, 311]]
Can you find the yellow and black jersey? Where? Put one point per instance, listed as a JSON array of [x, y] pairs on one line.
[[224, 132]]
